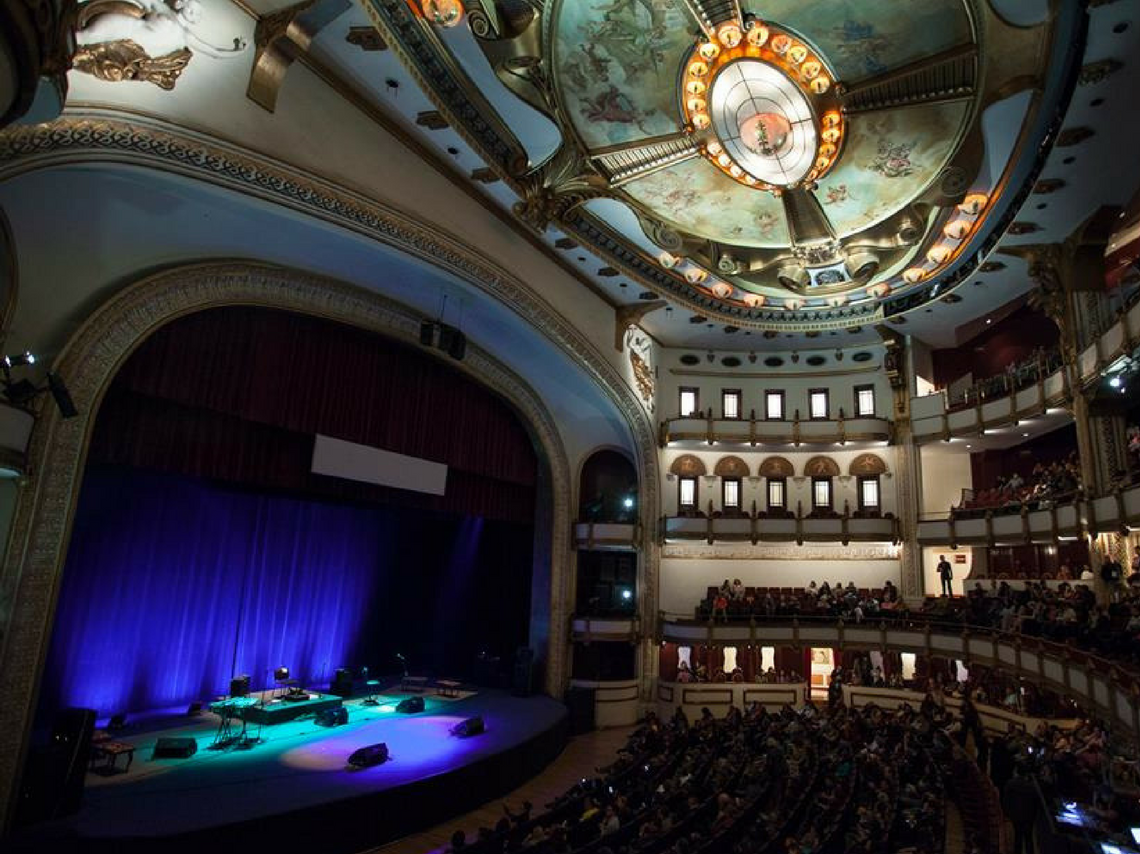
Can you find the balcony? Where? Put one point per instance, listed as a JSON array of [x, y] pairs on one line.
[[793, 528], [605, 535], [936, 419], [750, 432], [1070, 519], [1094, 682]]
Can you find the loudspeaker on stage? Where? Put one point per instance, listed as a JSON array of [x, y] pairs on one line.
[[171, 747], [373, 754], [469, 727]]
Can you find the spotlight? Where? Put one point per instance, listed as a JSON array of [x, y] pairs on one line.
[[627, 503], [20, 359], [627, 595], [1115, 381]]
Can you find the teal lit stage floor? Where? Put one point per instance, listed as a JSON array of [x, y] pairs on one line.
[[295, 785]]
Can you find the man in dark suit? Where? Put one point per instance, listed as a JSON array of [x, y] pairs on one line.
[[946, 573], [1019, 802]]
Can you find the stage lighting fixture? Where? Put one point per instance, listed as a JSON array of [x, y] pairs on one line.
[[1115, 381], [117, 722], [281, 674], [20, 359], [627, 503], [627, 595], [410, 705], [61, 396]]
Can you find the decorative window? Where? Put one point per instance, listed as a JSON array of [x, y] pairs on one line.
[[817, 404], [690, 400], [688, 493], [730, 403], [730, 493], [869, 493], [777, 494], [865, 401], [821, 492], [774, 405]]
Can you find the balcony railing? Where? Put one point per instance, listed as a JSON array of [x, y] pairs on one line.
[[752, 431], [934, 418], [767, 528], [606, 535], [1072, 519], [1096, 683]]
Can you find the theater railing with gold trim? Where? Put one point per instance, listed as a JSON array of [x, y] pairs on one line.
[[753, 431], [1070, 519], [1099, 684], [934, 418]]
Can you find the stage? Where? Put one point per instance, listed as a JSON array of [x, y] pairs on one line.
[[295, 789]]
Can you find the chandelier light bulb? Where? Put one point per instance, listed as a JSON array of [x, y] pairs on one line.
[[757, 34], [753, 300], [821, 84], [973, 204], [937, 254], [698, 68], [697, 105], [810, 70], [956, 229], [914, 275], [797, 54], [721, 290], [780, 44], [695, 87], [443, 13], [700, 120], [729, 35], [709, 50]]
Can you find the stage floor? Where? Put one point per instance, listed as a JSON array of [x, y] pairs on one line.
[[299, 769]]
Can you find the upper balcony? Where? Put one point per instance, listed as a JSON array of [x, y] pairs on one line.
[[797, 528], [1029, 393], [753, 431], [606, 535], [1062, 519]]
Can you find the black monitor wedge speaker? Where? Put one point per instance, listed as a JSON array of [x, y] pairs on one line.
[[469, 727], [373, 754]]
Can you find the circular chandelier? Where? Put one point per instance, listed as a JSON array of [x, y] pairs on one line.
[[763, 107]]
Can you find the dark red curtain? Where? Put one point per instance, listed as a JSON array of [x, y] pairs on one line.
[[237, 394]]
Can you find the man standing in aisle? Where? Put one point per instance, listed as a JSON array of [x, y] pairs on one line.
[[946, 574]]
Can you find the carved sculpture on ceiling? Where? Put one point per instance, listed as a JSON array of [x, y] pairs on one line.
[[148, 40]]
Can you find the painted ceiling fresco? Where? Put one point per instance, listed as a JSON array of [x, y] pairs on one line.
[[616, 64], [861, 39], [699, 198], [890, 157]]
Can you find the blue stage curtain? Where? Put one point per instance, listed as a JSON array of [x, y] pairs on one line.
[[171, 585]]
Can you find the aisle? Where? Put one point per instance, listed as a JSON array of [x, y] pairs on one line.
[[583, 754]]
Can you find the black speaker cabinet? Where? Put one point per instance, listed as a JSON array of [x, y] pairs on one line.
[[410, 705], [469, 727], [332, 717], [342, 683], [239, 686], [373, 754], [522, 684], [170, 747], [52, 786]]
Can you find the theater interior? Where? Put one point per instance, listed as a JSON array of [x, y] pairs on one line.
[[570, 426]]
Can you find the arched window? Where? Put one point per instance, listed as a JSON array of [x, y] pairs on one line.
[[731, 471], [776, 471], [687, 469], [866, 469], [822, 471], [607, 488]]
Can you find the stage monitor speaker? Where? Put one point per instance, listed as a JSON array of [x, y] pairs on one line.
[[410, 705], [239, 686], [52, 786], [580, 702], [332, 717], [342, 683], [171, 747], [523, 682], [469, 727], [373, 754]]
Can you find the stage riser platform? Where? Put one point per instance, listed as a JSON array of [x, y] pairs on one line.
[[282, 711]]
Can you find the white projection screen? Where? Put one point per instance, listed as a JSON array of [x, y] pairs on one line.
[[348, 460]]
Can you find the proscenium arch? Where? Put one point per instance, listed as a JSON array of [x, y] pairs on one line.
[[40, 530]]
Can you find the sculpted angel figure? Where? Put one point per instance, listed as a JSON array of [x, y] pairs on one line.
[[150, 40], [155, 26]]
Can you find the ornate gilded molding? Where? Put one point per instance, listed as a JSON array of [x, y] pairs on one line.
[[41, 527]]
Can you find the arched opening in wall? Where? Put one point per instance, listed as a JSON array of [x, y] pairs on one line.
[[776, 472], [207, 542], [607, 488], [868, 470], [607, 578]]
